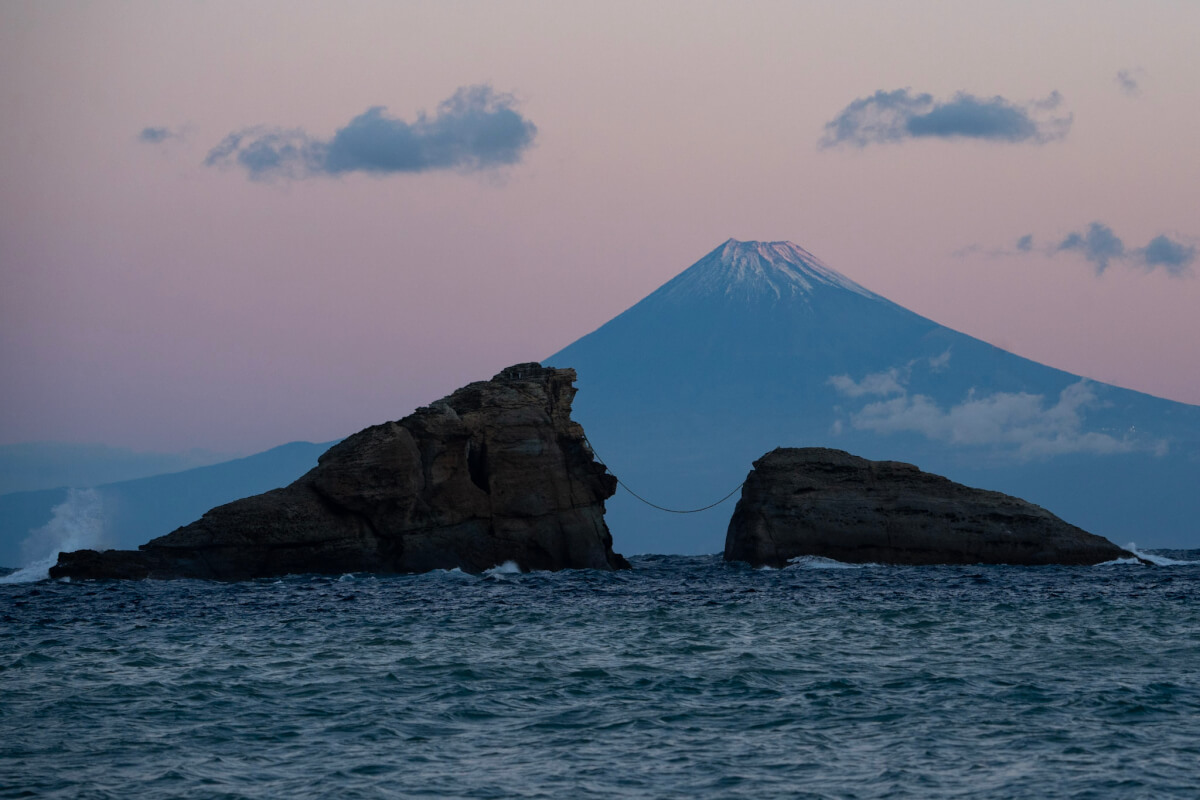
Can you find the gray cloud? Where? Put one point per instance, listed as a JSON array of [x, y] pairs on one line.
[[1101, 246], [898, 115], [1127, 80], [154, 135], [269, 153], [1025, 243], [1098, 244], [1174, 257], [475, 129]]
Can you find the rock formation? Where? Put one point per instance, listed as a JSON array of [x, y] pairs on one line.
[[495, 472], [818, 502]]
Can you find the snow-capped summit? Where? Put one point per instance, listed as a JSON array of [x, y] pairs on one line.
[[757, 270]]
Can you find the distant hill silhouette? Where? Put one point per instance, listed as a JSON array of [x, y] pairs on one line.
[[760, 345], [138, 510], [33, 466]]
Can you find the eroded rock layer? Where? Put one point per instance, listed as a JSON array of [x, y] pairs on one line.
[[819, 502], [496, 472]]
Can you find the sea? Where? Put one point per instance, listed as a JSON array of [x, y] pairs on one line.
[[684, 677]]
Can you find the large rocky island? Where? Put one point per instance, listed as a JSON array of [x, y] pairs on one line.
[[496, 472], [815, 501]]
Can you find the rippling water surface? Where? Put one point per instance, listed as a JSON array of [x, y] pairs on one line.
[[685, 677]]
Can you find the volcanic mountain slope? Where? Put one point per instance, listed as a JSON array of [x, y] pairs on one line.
[[760, 345]]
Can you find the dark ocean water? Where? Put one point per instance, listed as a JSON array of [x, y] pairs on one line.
[[685, 677]]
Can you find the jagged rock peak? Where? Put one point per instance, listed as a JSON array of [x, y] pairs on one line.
[[495, 472], [767, 269]]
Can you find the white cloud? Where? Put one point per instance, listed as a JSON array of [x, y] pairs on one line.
[[939, 363], [877, 383], [890, 381], [1025, 422]]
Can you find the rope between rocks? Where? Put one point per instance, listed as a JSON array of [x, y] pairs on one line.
[[623, 485]]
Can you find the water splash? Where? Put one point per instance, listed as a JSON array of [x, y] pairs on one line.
[[820, 562], [1158, 560], [77, 523]]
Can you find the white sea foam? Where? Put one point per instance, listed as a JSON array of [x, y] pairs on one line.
[[77, 523], [454, 574], [1161, 561], [507, 568], [820, 562]]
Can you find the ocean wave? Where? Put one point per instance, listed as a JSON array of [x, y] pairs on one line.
[[820, 562], [872, 683]]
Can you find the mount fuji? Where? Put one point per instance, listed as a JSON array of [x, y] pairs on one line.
[[760, 345]]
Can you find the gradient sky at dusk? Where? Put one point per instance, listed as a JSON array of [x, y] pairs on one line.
[[164, 286]]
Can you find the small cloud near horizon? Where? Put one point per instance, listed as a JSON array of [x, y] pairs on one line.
[[475, 129], [1025, 243], [889, 117]]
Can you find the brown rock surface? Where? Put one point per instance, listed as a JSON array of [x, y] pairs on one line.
[[819, 502], [495, 472]]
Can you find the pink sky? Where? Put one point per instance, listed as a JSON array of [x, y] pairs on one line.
[[152, 302]]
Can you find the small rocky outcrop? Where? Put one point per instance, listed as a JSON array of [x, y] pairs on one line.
[[815, 501], [496, 472]]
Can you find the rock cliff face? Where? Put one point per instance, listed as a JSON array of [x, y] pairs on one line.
[[495, 472], [819, 502]]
